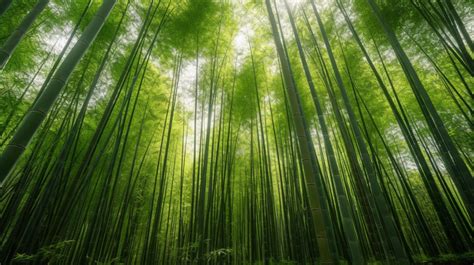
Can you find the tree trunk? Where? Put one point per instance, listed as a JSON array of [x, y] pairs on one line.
[[315, 197], [39, 110], [4, 5], [355, 251], [12, 42], [456, 166]]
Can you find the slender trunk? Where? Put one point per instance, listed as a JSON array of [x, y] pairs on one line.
[[456, 166], [4, 5], [315, 197], [387, 217], [40, 109], [12, 42], [346, 211]]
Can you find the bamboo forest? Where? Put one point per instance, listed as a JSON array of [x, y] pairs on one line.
[[277, 132]]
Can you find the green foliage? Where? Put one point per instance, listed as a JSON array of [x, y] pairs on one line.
[[185, 148], [51, 254]]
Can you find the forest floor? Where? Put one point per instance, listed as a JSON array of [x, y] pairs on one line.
[[451, 259]]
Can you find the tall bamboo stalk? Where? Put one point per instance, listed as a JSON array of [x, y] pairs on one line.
[[4, 5], [449, 152], [40, 109], [316, 198], [12, 42]]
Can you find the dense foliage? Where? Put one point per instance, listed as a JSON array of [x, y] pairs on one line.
[[236, 132]]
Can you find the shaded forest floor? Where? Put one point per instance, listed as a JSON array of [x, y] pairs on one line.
[[448, 259], [452, 259]]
